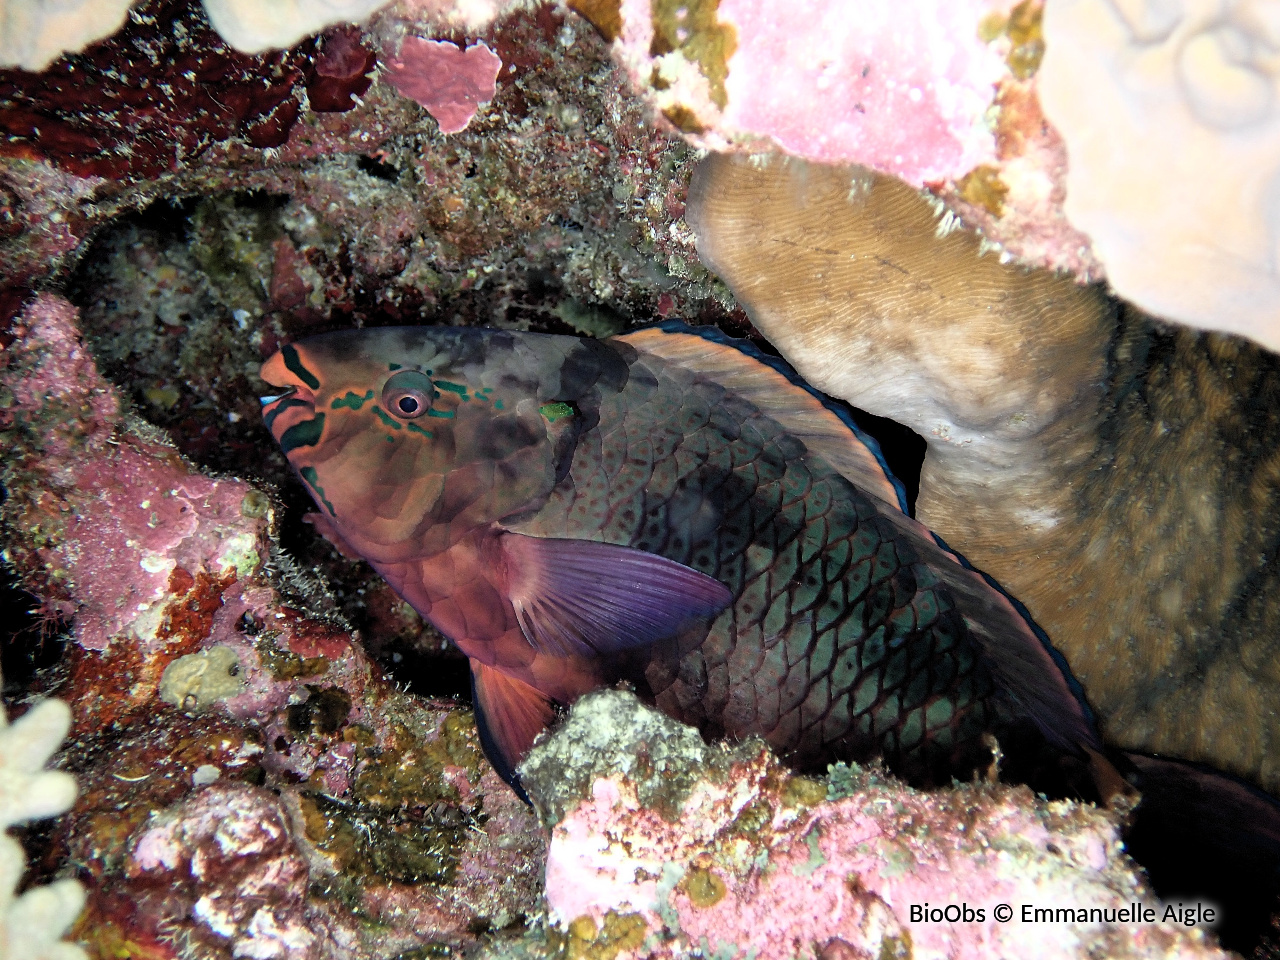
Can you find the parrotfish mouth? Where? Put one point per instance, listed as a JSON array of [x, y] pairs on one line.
[[267, 401], [293, 407]]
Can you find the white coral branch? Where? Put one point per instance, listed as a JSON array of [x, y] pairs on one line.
[[32, 926]]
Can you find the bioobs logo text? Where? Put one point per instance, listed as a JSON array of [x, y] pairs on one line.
[[951, 913]]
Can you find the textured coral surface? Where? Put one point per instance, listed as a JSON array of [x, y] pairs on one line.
[[32, 925], [1172, 127], [663, 845]]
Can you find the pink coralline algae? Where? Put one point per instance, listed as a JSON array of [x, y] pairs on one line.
[[941, 94], [251, 784], [900, 88], [152, 517], [451, 83], [674, 845]]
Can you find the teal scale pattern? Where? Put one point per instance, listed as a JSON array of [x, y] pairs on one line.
[[841, 643]]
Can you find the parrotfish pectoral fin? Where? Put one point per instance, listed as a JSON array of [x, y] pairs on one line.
[[509, 715], [583, 598]]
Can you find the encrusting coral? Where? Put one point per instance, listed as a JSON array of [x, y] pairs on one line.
[[33, 925], [663, 845], [1117, 476]]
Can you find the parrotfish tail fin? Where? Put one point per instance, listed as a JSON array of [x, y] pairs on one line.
[[580, 598], [509, 716], [824, 425], [1205, 835], [1032, 675]]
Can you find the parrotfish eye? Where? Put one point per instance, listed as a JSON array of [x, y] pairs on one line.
[[408, 394]]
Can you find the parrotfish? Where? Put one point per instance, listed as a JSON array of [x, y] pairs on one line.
[[670, 509]]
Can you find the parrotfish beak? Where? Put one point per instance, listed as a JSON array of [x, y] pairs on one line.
[[267, 401], [293, 409]]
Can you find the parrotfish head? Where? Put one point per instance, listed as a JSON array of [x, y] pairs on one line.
[[411, 437]]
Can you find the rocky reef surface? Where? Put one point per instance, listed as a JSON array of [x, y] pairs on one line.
[[273, 754], [665, 846]]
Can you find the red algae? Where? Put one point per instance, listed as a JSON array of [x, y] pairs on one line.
[[451, 83]]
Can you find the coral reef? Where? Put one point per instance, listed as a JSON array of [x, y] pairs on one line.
[[1115, 475], [379, 804], [662, 845], [200, 206], [33, 925], [1190, 236]]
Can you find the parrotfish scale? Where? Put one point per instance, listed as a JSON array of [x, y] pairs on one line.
[[663, 476], [823, 652], [835, 725], [795, 690], [778, 615], [844, 672], [739, 713], [918, 689], [872, 650], [814, 707]]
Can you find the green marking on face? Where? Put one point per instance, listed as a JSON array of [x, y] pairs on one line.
[[309, 475], [294, 364], [390, 439], [497, 404], [393, 366], [304, 434], [387, 419], [442, 414], [414, 428], [457, 388], [556, 411], [352, 400]]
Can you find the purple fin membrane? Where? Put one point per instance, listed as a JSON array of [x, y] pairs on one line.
[[583, 598]]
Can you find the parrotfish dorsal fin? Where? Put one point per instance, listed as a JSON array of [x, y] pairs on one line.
[[792, 405], [1033, 675]]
